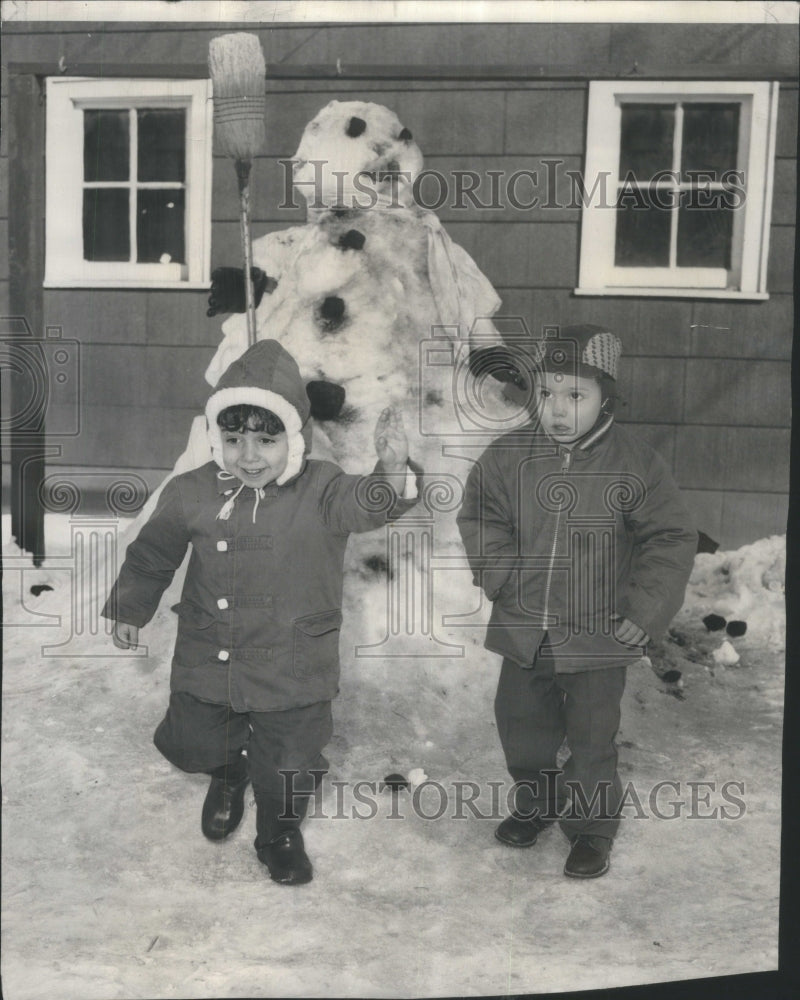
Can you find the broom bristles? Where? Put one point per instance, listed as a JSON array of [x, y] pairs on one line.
[[238, 76]]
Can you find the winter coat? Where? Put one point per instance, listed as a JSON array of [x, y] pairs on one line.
[[562, 537], [260, 611]]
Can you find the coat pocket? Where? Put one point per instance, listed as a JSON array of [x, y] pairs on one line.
[[316, 643], [192, 616], [197, 640]]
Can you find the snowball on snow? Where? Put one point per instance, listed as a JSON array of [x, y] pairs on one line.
[[726, 655]]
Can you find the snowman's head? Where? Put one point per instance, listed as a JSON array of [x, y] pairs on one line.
[[354, 154]]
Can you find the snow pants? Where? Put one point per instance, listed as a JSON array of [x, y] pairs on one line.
[[535, 709], [284, 752]]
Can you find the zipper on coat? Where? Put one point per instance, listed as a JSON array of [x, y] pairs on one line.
[[565, 464]]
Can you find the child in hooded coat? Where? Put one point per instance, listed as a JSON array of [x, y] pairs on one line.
[[576, 531], [256, 661]]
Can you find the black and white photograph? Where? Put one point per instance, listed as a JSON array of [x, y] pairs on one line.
[[396, 430]]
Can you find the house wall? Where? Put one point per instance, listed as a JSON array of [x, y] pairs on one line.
[[707, 381]]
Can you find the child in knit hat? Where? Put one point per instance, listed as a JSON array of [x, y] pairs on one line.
[[256, 661], [575, 530]]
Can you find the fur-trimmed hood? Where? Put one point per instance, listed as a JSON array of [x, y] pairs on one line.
[[266, 375]]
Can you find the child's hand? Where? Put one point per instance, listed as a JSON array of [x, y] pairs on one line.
[[391, 443], [628, 632], [125, 636]]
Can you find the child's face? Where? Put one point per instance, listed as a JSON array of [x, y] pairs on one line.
[[255, 457], [568, 405]]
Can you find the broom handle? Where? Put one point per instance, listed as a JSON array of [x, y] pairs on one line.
[[243, 177]]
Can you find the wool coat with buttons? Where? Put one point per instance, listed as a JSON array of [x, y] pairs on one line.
[[562, 538], [260, 611]]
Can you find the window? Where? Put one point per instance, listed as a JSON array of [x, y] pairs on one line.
[[677, 189], [128, 183]]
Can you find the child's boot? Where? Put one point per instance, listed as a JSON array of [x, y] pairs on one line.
[[224, 805], [279, 842], [588, 857], [519, 830]]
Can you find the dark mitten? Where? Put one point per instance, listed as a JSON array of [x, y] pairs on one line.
[[705, 543], [497, 362], [227, 295], [326, 399]]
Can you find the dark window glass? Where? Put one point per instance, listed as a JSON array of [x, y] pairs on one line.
[[647, 139], [105, 146], [704, 231], [710, 137], [106, 233], [162, 145], [643, 228], [160, 226]]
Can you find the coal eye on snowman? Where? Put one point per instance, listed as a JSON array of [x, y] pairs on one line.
[[355, 127]]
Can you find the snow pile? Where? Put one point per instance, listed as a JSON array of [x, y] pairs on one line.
[[744, 585], [732, 623]]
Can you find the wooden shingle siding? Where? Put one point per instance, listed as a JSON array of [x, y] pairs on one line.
[[705, 381], [784, 192], [786, 134], [133, 437], [752, 330], [732, 458], [546, 121], [748, 393], [652, 388]]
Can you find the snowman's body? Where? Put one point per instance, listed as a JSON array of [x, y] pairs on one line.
[[362, 317]]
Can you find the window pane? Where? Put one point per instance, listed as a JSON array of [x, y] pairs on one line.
[[105, 146], [160, 227], [106, 234], [710, 137], [642, 237], [704, 232], [647, 139], [162, 141]]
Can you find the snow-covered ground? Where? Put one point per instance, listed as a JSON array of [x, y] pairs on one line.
[[109, 889]]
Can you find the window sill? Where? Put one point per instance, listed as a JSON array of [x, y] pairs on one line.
[[178, 286], [674, 293]]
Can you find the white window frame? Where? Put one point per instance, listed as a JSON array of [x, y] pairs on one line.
[[66, 99], [747, 278]]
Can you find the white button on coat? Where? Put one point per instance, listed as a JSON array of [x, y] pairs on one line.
[[222, 546], [223, 654], [222, 603]]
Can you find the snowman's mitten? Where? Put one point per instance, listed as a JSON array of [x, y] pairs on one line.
[[497, 362], [227, 294], [326, 398]]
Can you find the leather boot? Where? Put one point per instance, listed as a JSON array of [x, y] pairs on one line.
[[224, 806], [286, 858], [279, 842], [518, 830], [588, 857]]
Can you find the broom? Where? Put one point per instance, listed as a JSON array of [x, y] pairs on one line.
[[238, 77]]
